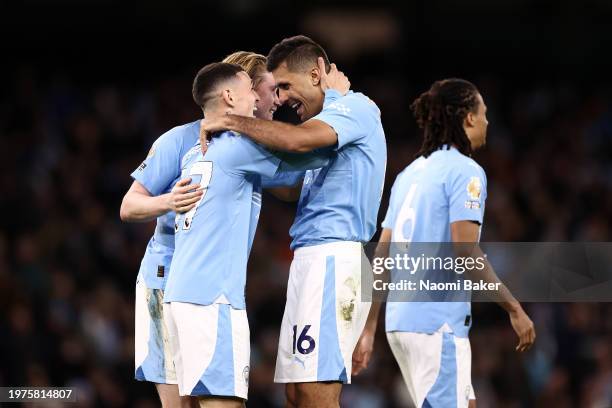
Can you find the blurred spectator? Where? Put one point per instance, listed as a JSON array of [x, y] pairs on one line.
[[68, 265]]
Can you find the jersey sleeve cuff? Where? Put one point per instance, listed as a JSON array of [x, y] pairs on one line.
[[137, 177]]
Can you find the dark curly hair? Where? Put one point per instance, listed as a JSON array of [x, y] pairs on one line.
[[440, 112]]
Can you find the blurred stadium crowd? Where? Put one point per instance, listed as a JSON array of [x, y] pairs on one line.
[[68, 265]]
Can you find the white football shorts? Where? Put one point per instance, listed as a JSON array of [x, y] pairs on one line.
[[152, 355], [211, 349], [436, 367], [324, 315]]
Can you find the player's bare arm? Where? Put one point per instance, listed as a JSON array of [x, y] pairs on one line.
[[468, 232], [139, 205], [302, 138], [365, 345]]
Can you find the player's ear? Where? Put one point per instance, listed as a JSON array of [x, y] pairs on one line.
[[470, 119], [228, 97], [315, 76]]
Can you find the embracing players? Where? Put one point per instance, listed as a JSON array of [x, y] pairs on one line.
[[337, 211], [440, 197], [204, 302], [158, 192]]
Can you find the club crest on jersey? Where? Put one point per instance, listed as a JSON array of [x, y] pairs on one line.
[[474, 188]]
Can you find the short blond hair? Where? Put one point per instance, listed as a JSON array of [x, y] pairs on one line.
[[254, 64]]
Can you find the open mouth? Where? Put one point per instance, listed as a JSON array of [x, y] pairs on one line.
[[299, 108]]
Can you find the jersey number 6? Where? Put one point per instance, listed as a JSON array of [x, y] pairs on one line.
[[404, 224]]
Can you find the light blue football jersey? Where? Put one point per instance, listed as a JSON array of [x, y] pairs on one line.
[[429, 195], [158, 174], [340, 202], [213, 240]]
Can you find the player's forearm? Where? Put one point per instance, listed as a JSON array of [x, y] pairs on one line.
[[382, 252], [372, 321], [272, 134], [137, 207], [502, 296]]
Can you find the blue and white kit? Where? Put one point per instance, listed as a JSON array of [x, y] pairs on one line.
[[430, 339], [204, 297], [324, 315], [158, 173]]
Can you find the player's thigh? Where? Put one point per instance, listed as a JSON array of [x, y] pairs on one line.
[[291, 402], [213, 402], [318, 394], [170, 398]]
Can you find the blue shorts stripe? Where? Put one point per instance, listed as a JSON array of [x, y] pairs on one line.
[[218, 379], [444, 391], [330, 363]]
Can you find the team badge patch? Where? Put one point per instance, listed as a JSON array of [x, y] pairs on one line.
[[151, 152], [474, 188]]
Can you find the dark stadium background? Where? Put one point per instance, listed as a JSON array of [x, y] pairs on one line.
[[88, 86]]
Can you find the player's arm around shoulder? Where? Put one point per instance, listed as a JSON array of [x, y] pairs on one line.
[[302, 138], [279, 136], [145, 200]]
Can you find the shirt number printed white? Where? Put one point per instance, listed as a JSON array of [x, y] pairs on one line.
[[404, 223], [203, 169]]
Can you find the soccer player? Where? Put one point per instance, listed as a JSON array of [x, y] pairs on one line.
[[337, 211], [439, 197], [284, 186], [263, 81], [158, 192], [204, 301]]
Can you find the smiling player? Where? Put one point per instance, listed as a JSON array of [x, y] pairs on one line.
[[336, 214], [204, 300]]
